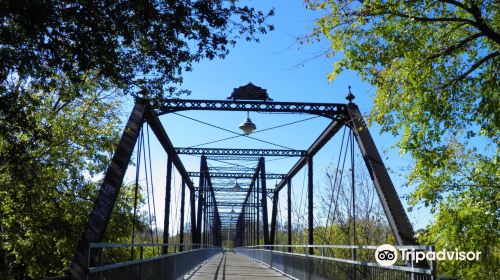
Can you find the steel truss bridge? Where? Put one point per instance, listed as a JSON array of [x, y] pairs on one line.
[[220, 212]]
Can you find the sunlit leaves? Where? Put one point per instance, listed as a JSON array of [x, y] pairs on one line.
[[435, 66], [51, 149]]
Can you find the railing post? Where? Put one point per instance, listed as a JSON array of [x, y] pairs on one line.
[[433, 266], [162, 268], [271, 262], [101, 261], [141, 257], [88, 262], [323, 262], [306, 262]]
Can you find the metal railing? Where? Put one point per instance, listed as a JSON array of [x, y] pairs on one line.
[[146, 261], [335, 262]]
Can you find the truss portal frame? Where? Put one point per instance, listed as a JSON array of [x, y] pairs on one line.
[[340, 114]]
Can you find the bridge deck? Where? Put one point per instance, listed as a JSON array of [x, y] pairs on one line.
[[234, 266]]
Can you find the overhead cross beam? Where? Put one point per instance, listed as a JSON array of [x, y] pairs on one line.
[[241, 152], [236, 175], [231, 204], [230, 190], [233, 158], [329, 110], [231, 168]]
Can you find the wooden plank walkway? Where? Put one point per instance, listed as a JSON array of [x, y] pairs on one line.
[[229, 266]]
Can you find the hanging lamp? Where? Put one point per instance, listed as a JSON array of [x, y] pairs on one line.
[[236, 187], [247, 125]]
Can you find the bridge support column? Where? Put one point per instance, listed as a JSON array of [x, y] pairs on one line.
[[289, 212], [201, 191], [274, 213], [310, 203], [257, 211], [192, 206], [103, 205], [183, 206], [265, 225], [168, 194]]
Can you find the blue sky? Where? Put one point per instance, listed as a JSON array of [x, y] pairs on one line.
[[276, 64]]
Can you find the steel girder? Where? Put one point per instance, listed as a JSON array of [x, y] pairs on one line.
[[231, 204], [237, 175], [230, 190], [328, 110], [233, 169], [233, 158], [100, 214], [240, 152]]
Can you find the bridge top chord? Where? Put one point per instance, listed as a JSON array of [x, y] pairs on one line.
[[328, 110], [237, 175], [240, 152]]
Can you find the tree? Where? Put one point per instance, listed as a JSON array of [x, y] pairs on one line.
[[62, 63], [435, 67], [139, 47], [50, 155]]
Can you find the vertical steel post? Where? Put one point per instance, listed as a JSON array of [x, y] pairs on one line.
[[192, 205], [289, 212], [265, 225], [274, 213], [257, 210], [204, 227], [183, 202], [353, 193], [310, 203], [206, 211], [98, 219], [201, 193], [168, 194]]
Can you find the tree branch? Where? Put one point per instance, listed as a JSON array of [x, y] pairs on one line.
[[472, 68], [462, 43], [458, 4]]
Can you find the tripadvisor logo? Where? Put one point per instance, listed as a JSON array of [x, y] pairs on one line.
[[387, 255]]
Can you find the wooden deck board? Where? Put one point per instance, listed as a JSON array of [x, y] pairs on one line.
[[229, 266]]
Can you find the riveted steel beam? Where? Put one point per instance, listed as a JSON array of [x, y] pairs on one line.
[[328, 110], [230, 168], [237, 175], [233, 158], [393, 208], [100, 214], [230, 190], [231, 204], [240, 152]]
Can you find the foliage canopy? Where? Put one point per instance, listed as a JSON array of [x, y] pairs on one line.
[[132, 45], [435, 66], [62, 65]]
